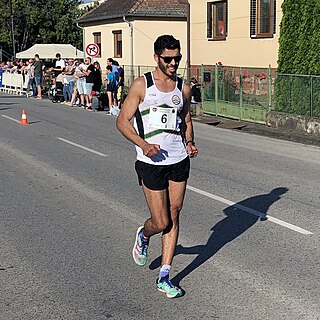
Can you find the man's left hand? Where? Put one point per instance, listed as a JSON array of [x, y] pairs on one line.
[[192, 151]]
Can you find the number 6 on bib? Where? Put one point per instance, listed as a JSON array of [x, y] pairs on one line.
[[163, 118]]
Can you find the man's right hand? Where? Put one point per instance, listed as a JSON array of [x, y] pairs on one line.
[[150, 150]]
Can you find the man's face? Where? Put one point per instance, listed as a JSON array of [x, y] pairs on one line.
[[109, 63], [168, 61], [87, 61]]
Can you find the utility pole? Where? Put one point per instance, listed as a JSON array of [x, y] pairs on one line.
[[12, 31]]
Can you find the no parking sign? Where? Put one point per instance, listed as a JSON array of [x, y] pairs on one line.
[[92, 50]]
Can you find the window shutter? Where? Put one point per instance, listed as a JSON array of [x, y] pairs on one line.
[[253, 15], [209, 20], [274, 16]]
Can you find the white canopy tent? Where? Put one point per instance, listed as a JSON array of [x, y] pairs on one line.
[[49, 51]]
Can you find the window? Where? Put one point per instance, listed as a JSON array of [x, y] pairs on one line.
[[262, 18], [97, 41], [217, 12], [117, 39]]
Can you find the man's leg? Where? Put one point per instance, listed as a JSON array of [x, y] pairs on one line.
[[170, 235], [157, 202], [39, 91], [158, 206], [176, 192]]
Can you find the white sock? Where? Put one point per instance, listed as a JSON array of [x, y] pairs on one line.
[[164, 271]]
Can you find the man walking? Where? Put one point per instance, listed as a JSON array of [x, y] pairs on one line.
[[163, 134]]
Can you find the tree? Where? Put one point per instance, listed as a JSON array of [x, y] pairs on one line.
[[40, 21], [299, 54], [299, 37]]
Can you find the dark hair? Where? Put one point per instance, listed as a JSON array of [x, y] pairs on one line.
[[36, 55], [166, 42], [115, 63], [110, 60], [58, 55], [109, 68]]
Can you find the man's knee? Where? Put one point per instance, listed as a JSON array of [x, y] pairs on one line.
[[160, 225]]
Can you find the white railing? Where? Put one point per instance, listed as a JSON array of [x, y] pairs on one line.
[[15, 83]]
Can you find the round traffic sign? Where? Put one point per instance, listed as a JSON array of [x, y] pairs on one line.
[[92, 50]]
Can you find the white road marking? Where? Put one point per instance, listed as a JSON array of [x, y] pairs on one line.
[[249, 210], [82, 147], [10, 118]]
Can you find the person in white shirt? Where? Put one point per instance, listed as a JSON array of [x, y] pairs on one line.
[[60, 63]]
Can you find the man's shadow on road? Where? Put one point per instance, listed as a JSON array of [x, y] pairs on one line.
[[235, 223]]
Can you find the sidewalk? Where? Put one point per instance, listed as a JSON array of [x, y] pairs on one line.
[[259, 129]]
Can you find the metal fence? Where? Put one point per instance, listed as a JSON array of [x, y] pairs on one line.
[[298, 94], [235, 92], [239, 93], [248, 93]]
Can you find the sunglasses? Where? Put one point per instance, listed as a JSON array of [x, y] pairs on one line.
[[169, 59]]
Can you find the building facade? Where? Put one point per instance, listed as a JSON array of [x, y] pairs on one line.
[[126, 30], [235, 32]]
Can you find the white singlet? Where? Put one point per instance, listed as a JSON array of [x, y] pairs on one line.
[[158, 119]]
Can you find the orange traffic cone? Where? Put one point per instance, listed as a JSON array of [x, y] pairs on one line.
[[24, 119]]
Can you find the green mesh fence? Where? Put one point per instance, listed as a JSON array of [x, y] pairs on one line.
[[298, 94]]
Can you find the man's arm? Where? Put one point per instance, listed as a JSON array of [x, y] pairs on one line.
[[130, 105], [189, 134]]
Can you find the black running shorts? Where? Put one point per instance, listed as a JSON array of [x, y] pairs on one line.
[[156, 177]]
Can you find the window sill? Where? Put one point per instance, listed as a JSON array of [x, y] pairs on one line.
[[260, 36], [217, 39]]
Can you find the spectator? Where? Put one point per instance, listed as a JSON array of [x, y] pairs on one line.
[[32, 83], [60, 63], [80, 75], [97, 77], [38, 74], [8, 65], [68, 82], [120, 86], [195, 90], [90, 75], [111, 87], [95, 101], [75, 101], [112, 63]]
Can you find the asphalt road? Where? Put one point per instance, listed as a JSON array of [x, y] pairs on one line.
[[70, 206]]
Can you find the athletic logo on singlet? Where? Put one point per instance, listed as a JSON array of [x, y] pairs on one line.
[[176, 100]]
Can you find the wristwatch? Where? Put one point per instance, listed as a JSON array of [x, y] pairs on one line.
[[190, 141]]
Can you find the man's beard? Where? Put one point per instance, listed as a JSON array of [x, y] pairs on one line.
[[165, 69]]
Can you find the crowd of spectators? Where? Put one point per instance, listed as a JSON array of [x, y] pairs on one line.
[[82, 81]]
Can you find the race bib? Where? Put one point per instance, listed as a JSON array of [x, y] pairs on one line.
[[163, 118]]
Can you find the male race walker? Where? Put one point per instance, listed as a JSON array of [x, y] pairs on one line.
[[163, 135]]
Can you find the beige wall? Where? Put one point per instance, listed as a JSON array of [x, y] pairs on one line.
[[238, 49], [144, 35]]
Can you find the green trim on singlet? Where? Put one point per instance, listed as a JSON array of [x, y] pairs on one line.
[[158, 131], [145, 112]]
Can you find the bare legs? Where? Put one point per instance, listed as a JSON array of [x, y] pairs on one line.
[[165, 206]]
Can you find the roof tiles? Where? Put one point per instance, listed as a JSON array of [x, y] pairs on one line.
[[156, 8]]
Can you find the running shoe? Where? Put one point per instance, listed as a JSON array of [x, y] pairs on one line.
[[166, 286], [140, 249]]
